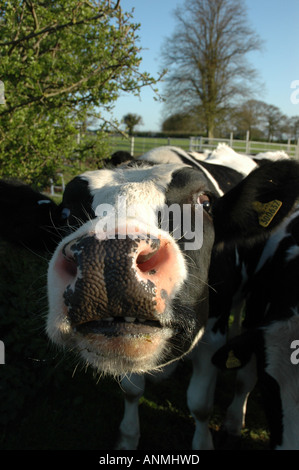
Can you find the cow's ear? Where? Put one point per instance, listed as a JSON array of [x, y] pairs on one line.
[[77, 199], [258, 204]]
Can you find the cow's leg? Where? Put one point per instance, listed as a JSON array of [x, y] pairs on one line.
[[200, 394], [279, 382], [133, 388], [245, 381]]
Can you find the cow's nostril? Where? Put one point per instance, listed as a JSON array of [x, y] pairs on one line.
[[148, 261], [66, 267], [70, 266]]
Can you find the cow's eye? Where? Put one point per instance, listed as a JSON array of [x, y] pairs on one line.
[[204, 200]]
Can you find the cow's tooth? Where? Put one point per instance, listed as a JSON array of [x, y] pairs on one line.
[[108, 319], [142, 320], [130, 319]]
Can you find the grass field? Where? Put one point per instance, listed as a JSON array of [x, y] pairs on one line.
[[48, 402]]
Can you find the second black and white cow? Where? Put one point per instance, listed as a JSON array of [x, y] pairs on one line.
[[267, 349]]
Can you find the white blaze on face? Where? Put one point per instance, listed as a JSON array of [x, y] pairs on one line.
[[134, 194], [133, 213]]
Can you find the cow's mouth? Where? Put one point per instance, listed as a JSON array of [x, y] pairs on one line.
[[122, 344], [119, 326]]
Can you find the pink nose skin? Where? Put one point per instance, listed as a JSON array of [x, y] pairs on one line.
[[156, 261]]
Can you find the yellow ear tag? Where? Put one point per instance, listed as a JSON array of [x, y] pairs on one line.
[[232, 361], [266, 211]]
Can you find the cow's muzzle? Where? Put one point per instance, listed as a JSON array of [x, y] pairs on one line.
[[117, 292]]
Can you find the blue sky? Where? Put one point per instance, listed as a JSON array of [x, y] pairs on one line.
[[276, 22]]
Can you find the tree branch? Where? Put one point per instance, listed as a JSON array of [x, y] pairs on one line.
[[57, 27]]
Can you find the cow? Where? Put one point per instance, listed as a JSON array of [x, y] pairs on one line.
[[264, 157], [237, 266], [223, 156], [117, 158], [136, 299], [264, 350], [29, 218]]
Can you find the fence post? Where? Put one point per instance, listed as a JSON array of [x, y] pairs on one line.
[[62, 182], [132, 146], [200, 144], [191, 143], [231, 138], [247, 143], [52, 192], [297, 150]]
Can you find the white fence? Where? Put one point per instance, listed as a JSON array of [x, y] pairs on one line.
[[247, 146], [139, 145], [60, 188]]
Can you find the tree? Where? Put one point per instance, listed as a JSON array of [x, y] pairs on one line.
[[249, 116], [293, 128], [274, 121], [185, 122], [132, 120], [61, 63], [206, 57], [178, 122]]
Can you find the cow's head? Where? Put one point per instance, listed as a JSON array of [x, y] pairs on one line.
[[29, 218], [123, 290]]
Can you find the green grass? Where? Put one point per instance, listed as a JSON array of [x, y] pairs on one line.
[[48, 401]]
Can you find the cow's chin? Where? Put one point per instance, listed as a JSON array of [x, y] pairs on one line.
[[118, 350]]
